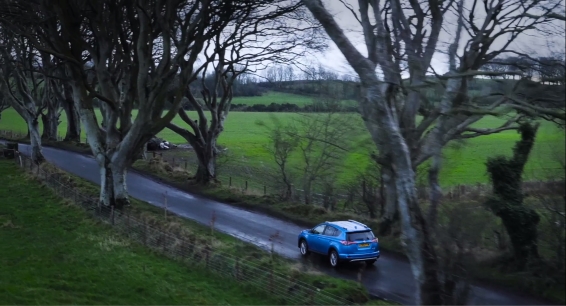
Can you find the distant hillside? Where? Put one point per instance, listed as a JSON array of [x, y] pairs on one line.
[[269, 97], [313, 95], [342, 90]]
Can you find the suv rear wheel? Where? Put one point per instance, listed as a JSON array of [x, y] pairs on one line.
[[333, 258], [304, 247]]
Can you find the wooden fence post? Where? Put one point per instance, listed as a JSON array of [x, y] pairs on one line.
[[237, 267], [145, 232], [165, 205], [128, 222], [207, 255], [164, 242]]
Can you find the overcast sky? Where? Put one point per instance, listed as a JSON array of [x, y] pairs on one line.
[[532, 43]]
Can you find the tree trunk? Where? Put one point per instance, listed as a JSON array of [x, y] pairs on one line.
[[391, 212], [106, 185], [381, 194], [507, 202], [35, 141], [435, 191], [121, 198], [206, 154], [288, 193], [416, 237], [50, 123], [307, 197], [73, 122], [113, 188], [521, 225], [206, 171]]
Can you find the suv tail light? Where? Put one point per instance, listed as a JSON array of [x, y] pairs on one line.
[[345, 242], [375, 240]]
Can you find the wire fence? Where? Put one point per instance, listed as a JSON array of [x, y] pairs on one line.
[[194, 251]]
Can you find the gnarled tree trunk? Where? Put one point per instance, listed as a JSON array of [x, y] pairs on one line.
[[35, 140], [50, 123], [416, 236], [390, 210], [73, 120], [206, 170], [435, 191], [113, 189]]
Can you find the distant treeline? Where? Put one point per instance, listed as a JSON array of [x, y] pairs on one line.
[[323, 91], [284, 108]]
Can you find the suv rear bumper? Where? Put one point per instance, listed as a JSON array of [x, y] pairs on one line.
[[359, 257]]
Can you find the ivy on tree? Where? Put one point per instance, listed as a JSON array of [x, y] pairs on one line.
[[507, 200]]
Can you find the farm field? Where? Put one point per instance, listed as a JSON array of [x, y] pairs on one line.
[[279, 98], [464, 161], [274, 97], [53, 254]]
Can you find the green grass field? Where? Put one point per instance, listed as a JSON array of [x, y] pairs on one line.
[[52, 253], [464, 162]]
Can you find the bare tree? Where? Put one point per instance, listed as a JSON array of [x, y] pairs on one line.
[[282, 144], [289, 73], [323, 140], [234, 52], [22, 87], [370, 189], [143, 54], [52, 101], [271, 74], [406, 33]]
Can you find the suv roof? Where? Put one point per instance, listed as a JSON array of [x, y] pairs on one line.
[[350, 225]]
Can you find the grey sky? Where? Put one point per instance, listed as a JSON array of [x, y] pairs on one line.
[[532, 42]]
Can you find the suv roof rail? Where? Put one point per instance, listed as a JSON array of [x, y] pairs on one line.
[[354, 221]]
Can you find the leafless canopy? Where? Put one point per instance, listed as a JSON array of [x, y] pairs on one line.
[[259, 32]]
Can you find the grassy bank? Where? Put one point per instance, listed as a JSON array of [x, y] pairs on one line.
[[225, 244], [52, 253]]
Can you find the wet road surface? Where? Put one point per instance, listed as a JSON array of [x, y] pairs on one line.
[[389, 278]]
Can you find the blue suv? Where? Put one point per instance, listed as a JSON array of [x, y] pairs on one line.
[[342, 241]]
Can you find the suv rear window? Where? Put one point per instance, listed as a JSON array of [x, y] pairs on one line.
[[357, 236]]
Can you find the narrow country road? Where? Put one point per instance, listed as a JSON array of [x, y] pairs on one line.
[[390, 278]]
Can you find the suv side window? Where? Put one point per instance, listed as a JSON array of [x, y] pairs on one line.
[[337, 232], [318, 229], [330, 231]]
